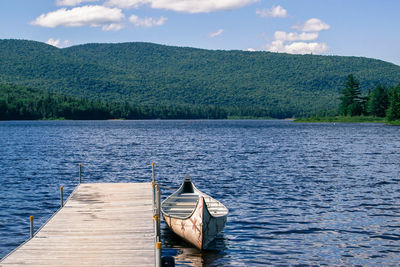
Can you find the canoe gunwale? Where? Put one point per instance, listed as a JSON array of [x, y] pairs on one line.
[[194, 209], [199, 195], [197, 225]]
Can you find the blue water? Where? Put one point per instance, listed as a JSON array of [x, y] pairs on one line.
[[297, 193]]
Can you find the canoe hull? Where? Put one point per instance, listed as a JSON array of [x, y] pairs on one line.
[[200, 228]]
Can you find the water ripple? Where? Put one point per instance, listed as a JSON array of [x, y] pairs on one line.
[[298, 194]]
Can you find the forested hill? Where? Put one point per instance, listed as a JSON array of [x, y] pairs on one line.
[[248, 83]]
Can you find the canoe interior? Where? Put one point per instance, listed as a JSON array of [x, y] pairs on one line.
[[184, 201]]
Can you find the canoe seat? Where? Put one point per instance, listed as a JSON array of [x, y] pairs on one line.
[[183, 209], [181, 200], [181, 205], [180, 214]]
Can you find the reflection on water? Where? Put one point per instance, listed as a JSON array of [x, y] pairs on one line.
[[186, 254], [298, 194], [193, 257]]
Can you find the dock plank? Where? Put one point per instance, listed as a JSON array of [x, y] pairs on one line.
[[105, 224]]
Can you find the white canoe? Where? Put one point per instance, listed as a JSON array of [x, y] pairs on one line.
[[193, 215]]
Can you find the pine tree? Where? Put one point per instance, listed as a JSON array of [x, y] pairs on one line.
[[393, 112], [353, 103], [378, 101]]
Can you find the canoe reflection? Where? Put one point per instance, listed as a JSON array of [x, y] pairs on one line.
[[186, 254]]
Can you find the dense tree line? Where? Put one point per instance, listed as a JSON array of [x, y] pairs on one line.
[[256, 84], [21, 103], [382, 102], [25, 103]]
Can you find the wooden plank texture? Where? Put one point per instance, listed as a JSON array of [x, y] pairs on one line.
[[100, 225]]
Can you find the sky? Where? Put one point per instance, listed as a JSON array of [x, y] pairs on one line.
[[367, 28]]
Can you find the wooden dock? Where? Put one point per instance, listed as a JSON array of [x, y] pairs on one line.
[[105, 224]]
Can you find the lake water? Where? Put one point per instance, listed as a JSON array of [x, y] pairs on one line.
[[297, 193]]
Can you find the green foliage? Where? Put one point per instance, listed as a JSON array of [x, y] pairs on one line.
[[395, 123], [21, 103], [239, 83], [393, 112], [343, 119], [353, 104], [378, 101]]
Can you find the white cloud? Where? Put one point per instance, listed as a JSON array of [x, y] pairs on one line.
[[251, 50], [312, 25], [112, 27], [187, 6], [53, 42], [94, 16], [297, 47], [57, 43], [294, 36], [127, 3], [72, 2], [274, 12], [147, 22], [215, 34], [296, 43]]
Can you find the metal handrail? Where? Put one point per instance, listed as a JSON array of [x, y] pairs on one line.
[[157, 219]]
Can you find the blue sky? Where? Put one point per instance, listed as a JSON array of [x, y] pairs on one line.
[[368, 28]]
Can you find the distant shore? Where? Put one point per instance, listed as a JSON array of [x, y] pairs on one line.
[[347, 119], [337, 119]]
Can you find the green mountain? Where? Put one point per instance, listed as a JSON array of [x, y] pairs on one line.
[[244, 83]]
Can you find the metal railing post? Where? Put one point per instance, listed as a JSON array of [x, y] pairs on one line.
[[31, 228], [80, 173], [157, 218], [153, 175], [158, 254], [159, 212], [157, 215], [61, 196], [153, 184]]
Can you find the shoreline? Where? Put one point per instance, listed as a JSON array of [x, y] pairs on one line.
[[343, 119], [298, 120]]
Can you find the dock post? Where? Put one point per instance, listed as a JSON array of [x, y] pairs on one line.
[[158, 254], [31, 230], [80, 173], [153, 184], [153, 172], [61, 197], [157, 215]]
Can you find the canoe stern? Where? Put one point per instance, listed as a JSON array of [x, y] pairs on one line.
[[211, 225], [200, 228]]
